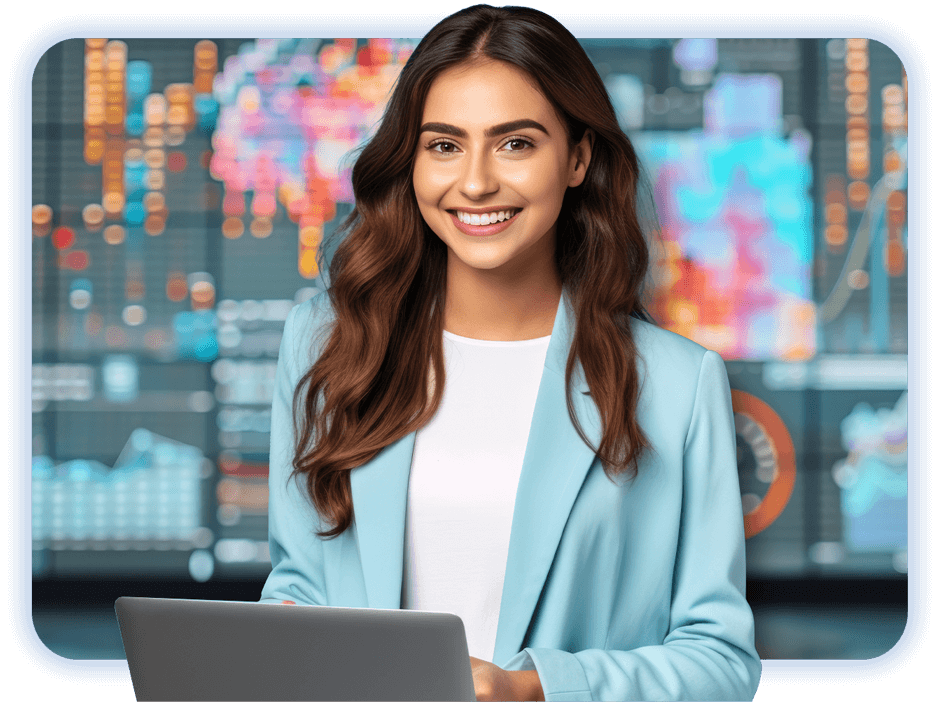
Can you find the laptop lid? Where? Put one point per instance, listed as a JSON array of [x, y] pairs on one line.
[[211, 650]]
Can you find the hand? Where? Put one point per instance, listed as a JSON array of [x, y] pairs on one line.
[[493, 684]]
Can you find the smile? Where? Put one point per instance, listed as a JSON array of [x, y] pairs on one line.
[[485, 223], [485, 218]]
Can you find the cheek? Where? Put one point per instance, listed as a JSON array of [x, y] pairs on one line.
[[428, 193]]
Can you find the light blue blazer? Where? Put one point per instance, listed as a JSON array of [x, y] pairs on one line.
[[612, 591]]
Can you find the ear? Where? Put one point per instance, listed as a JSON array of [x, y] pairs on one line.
[[580, 159]]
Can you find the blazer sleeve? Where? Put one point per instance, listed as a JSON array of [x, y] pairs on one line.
[[296, 551], [708, 653]]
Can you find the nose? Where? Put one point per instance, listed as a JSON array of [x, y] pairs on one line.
[[478, 177]]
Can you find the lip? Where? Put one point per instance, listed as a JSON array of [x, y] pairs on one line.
[[484, 210], [481, 230]]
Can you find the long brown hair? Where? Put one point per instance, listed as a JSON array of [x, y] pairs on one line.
[[373, 382]]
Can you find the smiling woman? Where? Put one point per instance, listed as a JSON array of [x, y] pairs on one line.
[[491, 169], [486, 422]]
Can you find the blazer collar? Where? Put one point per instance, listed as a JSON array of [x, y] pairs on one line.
[[554, 467]]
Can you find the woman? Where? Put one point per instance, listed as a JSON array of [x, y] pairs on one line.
[[498, 433]]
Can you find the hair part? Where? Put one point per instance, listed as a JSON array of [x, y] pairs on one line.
[[381, 373]]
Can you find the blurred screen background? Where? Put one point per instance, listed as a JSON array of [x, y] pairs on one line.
[[181, 189]]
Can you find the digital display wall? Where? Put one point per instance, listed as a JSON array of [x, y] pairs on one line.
[[181, 191]]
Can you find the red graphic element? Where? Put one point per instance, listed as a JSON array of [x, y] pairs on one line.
[[63, 237], [75, 260], [176, 161], [784, 453]]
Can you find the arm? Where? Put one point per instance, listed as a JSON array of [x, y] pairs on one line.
[[296, 551], [708, 653]]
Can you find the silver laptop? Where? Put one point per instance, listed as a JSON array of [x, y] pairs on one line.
[[209, 650]]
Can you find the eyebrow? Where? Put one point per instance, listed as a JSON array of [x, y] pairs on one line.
[[493, 131]]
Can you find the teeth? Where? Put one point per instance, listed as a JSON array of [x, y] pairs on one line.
[[486, 218]]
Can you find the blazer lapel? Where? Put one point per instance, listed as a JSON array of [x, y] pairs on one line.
[[555, 465], [379, 498]]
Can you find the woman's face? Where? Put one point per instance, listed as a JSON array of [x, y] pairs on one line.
[[492, 166]]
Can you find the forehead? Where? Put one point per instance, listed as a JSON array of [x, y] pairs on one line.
[[486, 93]]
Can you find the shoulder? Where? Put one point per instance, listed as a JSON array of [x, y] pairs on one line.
[[307, 328], [677, 374], [666, 354]]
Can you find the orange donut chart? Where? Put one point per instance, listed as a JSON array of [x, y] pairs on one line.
[[784, 453]]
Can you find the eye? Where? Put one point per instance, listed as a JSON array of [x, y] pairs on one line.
[[442, 146], [518, 144]]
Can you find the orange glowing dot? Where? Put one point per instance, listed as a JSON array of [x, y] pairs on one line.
[[856, 82], [153, 136], [862, 135], [113, 203], [836, 234], [858, 194], [176, 162], [154, 158], [896, 200], [261, 227], [855, 104], [63, 237], [836, 213], [114, 234], [177, 115], [892, 161], [93, 215], [42, 214], [154, 202], [94, 61], [859, 122], [310, 236], [203, 80], [114, 114], [134, 154], [155, 179], [895, 258], [154, 224], [176, 288], [94, 150], [856, 60], [892, 94], [307, 265], [859, 169], [202, 295], [896, 217], [175, 135], [134, 289], [858, 150], [232, 228], [206, 47]]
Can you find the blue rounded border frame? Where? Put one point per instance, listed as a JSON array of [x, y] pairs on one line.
[[582, 26]]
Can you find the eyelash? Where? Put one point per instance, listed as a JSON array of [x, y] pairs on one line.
[[438, 142]]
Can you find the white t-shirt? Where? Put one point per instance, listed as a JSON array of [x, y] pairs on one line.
[[464, 474]]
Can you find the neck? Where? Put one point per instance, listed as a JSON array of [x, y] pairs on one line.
[[501, 306]]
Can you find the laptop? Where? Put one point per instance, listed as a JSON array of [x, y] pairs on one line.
[[211, 650]]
